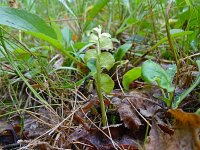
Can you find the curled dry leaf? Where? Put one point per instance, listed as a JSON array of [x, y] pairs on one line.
[[186, 119], [187, 124], [135, 100], [129, 116]]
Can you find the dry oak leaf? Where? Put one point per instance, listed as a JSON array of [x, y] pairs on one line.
[[185, 137], [186, 119], [187, 127]]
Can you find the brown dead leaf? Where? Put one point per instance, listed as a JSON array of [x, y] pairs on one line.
[[187, 119], [9, 136], [187, 124], [158, 140], [129, 116], [185, 137], [42, 146], [135, 102], [96, 140]]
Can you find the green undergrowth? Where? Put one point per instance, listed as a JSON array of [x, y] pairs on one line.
[[58, 54]]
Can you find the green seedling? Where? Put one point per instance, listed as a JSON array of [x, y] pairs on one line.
[[96, 60], [152, 72]]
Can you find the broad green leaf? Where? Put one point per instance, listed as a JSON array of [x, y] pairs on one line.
[[34, 25], [130, 76], [152, 72], [107, 84], [30, 23], [106, 60], [48, 39], [23, 20], [121, 51], [90, 54], [171, 71], [94, 11]]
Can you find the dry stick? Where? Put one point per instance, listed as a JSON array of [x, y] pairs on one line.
[[39, 120], [74, 107], [148, 99], [51, 130], [119, 81], [110, 134], [63, 20], [194, 55], [101, 130], [32, 142], [59, 124], [139, 113], [39, 101], [77, 142]]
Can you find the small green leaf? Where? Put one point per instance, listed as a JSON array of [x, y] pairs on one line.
[[106, 60], [91, 64], [104, 39], [107, 84], [121, 51], [152, 72], [90, 54], [93, 38], [106, 43], [130, 76]]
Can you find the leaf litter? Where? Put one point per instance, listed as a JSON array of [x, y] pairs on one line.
[[136, 110], [185, 133]]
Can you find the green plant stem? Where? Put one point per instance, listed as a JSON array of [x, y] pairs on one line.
[[163, 40], [98, 86], [146, 134], [184, 94], [172, 47]]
